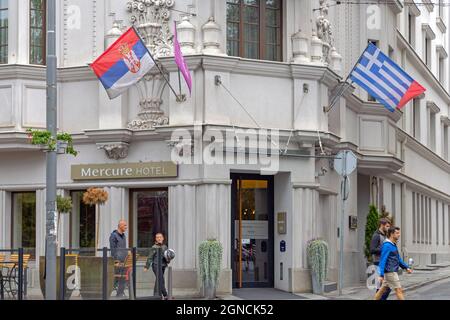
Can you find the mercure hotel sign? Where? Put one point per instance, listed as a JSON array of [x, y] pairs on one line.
[[124, 171]]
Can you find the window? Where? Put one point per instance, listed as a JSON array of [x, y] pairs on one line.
[[148, 216], [393, 207], [24, 221], [429, 222], [254, 29], [37, 31], [411, 29], [414, 217], [427, 52], [416, 119], [441, 71], [437, 222], [3, 31], [445, 142], [443, 223], [82, 224], [432, 135], [422, 219], [391, 53]]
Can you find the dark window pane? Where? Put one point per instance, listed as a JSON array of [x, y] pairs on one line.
[[24, 221], [37, 32]]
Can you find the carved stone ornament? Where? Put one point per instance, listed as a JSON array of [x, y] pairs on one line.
[[151, 19], [115, 151], [150, 89], [324, 30]]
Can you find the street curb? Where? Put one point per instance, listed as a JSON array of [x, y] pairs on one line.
[[426, 283]]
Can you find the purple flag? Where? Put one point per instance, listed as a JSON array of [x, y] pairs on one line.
[[179, 59]]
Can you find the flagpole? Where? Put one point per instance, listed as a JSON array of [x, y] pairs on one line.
[[345, 88], [179, 97]]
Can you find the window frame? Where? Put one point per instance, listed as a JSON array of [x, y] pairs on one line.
[[13, 222], [43, 43], [132, 229], [6, 44], [262, 31]]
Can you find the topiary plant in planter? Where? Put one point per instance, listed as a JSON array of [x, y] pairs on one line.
[[95, 197], [210, 260], [44, 139], [63, 206], [371, 227], [317, 250]]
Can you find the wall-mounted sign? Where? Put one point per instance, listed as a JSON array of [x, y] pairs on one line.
[[258, 230], [353, 222], [124, 171], [281, 223]]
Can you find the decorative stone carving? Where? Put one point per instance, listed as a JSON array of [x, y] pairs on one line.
[[324, 30], [151, 89], [115, 151], [211, 37], [316, 49], [151, 19], [186, 36], [336, 61], [300, 48], [114, 33]]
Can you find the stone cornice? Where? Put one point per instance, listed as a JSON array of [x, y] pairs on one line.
[[429, 5], [430, 33], [413, 8], [33, 72], [396, 6], [422, 67], [372, 108], [445, 120], [421, 187], [422, 150], [441, 51], [433, 107], [441, 24]]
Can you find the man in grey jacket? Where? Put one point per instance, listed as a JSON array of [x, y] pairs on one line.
[[118, 244], [376, 244]]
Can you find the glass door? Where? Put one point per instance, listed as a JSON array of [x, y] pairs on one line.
[[252, 231]]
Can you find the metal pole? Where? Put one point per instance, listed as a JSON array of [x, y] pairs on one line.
[[158, 272], [341, 230], [105, 273], [134, 272], [20, 266], [62, 274], [169, 283], [50, 281]]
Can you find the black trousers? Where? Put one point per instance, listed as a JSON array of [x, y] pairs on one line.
[[162, 289], [121, 281]]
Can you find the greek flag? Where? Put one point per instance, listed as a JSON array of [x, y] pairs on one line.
[[384, 80]]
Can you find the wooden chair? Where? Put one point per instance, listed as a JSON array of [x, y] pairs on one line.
[[12, 273], [123, 271]]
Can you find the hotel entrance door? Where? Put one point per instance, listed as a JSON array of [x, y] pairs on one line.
[[252, 231]]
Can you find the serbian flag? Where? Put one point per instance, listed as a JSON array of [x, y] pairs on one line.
[[123, 64], [181, 63], [384, 80]]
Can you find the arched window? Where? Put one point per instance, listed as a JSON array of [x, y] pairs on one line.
[[254, 29]]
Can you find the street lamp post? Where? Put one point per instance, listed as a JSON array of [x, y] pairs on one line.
[[50, 265]]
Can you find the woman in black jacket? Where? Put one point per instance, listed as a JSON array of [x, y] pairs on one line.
[[152, 261]]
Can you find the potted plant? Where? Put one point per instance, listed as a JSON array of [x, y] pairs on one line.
[[63, 206], [371, 227], [44, 138], [92, 267], [317, 250], [210, 260], [95, 197]]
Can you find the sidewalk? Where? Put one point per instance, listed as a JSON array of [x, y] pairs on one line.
[[410, 282]]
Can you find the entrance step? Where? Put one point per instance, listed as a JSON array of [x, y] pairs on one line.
[[330, 286], [427, 268], [439, 265]]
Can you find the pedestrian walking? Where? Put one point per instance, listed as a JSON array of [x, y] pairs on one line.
[[118, 245], [376, 243], [390, 262], [158, 248]]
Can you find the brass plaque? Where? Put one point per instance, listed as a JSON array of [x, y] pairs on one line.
[[281, 223], [124, 171]]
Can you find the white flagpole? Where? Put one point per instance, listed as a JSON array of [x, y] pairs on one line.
[[347, 85]]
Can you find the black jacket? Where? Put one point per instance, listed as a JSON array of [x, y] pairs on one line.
[[375, 246], [118, 241], [153, 256]]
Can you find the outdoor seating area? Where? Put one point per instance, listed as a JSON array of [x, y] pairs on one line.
[[12, 281]]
